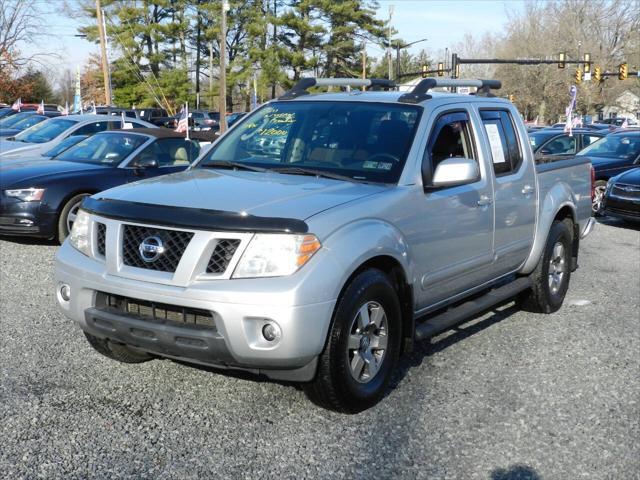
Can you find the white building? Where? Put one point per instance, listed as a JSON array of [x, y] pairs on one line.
[[627, 105]]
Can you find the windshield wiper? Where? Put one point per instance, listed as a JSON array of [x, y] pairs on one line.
[[234, 165], [313, 172]]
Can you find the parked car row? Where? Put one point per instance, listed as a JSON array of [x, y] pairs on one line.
[[48, 169], [610, 153]]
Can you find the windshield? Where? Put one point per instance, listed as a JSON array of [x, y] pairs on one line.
[[45, 131], [4, 112], [29, 121], [538, 138], [9, 122], [614, 146], [361, 141], [104, 148], [64, 145]]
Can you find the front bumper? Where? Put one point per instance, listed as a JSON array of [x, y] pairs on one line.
[[236, 341], [26, 218], [625, 208]]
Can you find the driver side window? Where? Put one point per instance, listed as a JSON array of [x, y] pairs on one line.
[[561, 146], [451, 137]]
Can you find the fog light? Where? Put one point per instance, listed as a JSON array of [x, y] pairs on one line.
[[65, 292], [271, 332]]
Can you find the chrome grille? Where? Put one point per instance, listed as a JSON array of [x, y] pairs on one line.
[[101, 241], [222, 255], [622, 190], [157, 312], [174, 242]]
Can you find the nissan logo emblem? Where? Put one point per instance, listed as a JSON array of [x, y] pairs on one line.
[[151, 248]]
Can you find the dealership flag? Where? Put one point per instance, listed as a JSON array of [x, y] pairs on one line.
[[183, 121], [40, 110], [17, 105], [625, 124], [573, 92], [66, 109]]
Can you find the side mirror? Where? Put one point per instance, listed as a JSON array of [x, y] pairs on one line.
[[455, 171], [146, 162]]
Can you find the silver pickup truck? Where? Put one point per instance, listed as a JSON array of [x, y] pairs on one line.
[[324, 234]]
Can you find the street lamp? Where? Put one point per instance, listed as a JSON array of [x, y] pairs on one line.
[[398, 48]]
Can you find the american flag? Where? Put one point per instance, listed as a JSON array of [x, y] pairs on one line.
[[183, 121], [625, 124], [17, 105], [40, 110]]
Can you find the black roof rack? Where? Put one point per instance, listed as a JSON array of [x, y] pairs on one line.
[[303, 84], [420, 91]]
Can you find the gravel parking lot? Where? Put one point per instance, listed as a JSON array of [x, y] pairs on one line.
[[510, 396]]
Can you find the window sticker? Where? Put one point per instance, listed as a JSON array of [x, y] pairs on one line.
[[377, 165], [496, 143], [533, 142]]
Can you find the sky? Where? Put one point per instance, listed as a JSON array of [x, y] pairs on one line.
[[442, 22]]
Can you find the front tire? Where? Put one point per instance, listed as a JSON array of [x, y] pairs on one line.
[[362, 348], [553, 272], [68, 216]]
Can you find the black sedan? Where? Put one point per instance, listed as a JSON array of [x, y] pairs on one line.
[[41, 197], [622, 196], [614, 154], [551, 144]]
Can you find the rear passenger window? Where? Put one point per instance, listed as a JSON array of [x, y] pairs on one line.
[[451, 137], [503, 140], [96, 127]]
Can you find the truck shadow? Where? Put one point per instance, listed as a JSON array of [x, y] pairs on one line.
[[515, 472], [426, 348]]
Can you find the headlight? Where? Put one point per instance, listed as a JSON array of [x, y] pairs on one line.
[[610, 183], [26, 194], [79, 236], [275, 255]]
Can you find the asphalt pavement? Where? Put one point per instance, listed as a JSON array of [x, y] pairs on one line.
[[510, 396]]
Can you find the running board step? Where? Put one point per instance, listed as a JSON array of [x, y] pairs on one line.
[[454, 316]]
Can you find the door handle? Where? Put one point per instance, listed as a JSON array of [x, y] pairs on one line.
[[484, 200], [527, 190]]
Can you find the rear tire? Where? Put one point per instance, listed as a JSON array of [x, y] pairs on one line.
[[117, 351], [553, 272], [362, 348], [68, 215]]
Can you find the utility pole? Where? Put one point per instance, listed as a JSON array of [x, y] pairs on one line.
[[389, 39], [223, 68], [364, 59], [103, 53], [274, 39], [211, 74]]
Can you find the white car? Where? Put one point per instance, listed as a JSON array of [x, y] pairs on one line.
[[44, 136]]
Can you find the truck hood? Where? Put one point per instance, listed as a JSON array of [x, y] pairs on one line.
[[259, 194]]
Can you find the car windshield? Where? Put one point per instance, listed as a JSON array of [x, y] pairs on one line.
[[29, 121], [45, 131], [107, 149], [538, 138], [360, 141], [9, 122], [5, 112], [64, 145], [614, 146]]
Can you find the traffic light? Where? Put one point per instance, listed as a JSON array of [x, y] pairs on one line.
[[578, 76], [597, 74], [623, 71], [440, 69], [561, 59], [587, 64], [425, 68]]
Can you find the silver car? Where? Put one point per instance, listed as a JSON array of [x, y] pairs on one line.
[[44, 136]]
